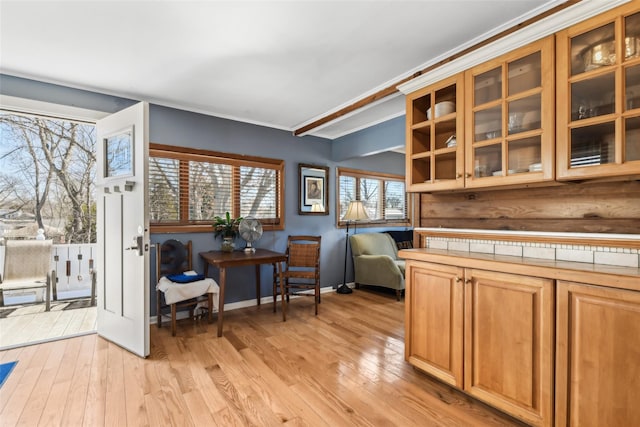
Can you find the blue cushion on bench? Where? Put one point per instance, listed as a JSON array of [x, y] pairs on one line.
[[185, 278]]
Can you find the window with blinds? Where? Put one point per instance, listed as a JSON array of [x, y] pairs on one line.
[[188, 188], [383, 196]]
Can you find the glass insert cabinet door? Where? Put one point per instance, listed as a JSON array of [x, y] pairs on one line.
[[435, 159], [598, 92], [509, 121]]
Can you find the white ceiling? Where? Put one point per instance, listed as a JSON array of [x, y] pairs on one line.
[[279, 64]]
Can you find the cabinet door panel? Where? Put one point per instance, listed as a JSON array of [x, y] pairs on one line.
[[434, 309], [598, 72], [598, 354], [509, 122], [508, 343]]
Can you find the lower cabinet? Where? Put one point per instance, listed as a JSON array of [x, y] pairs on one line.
[[597, 356], [434, 309], [487, 333]]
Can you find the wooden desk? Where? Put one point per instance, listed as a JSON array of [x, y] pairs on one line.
[[222, 260]]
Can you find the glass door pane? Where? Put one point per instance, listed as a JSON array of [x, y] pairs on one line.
[[487, 161], [524, 114], [488, 123], [487, 86], [632, 36], [524, 74], [632, 139], [593, 49], [524, 155], [593, 145], [632, 85], [593, 97]]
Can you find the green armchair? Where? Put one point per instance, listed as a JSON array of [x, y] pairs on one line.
[[376, 262]]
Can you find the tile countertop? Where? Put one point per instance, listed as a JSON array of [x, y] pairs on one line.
[[594, 274]]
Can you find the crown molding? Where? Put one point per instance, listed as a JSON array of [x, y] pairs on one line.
[[550, 25]]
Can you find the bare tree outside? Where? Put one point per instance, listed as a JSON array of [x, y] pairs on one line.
[[47, 173]]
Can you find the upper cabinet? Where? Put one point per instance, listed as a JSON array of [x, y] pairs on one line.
[[509, 118], [434, 148], [566, 107], [598, 96], [492, 125]]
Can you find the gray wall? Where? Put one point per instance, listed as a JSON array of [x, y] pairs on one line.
[[182, 128], [376, 139]]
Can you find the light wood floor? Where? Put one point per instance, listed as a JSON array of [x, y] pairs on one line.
[[344, 367]]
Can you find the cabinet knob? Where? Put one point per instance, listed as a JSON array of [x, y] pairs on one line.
[[467, 281], [458, 279], [467, 175], [458, 175]]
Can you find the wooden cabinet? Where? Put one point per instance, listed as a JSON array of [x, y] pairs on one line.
[[597, 356], [492, 125], [509, 118], [434, 148], [506, 348], [598, 96], [565, 107], [434, 320], [508, 359]]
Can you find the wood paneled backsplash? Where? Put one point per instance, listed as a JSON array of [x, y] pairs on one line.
[[612, 207]]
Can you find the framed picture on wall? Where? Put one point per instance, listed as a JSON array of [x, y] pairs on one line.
[[313, 194]]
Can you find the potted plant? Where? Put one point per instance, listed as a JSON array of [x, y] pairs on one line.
[[227, 228]]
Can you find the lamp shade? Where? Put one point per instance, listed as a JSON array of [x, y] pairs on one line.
[[355, 212]]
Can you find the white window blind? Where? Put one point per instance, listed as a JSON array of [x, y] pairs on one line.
[[189, 189], [383, 195]]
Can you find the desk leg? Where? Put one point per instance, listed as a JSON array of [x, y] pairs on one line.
[[223, 279], [284, 301], [275, 279], [258, 283]]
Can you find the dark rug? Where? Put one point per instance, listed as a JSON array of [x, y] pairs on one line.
[[5, 370]]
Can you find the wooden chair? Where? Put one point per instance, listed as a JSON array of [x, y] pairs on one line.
[[302, 271], [27, 266], [174, 257]]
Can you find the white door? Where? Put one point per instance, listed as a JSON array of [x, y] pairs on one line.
[[123, 228]]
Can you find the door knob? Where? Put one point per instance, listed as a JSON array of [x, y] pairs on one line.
[[138, 245]]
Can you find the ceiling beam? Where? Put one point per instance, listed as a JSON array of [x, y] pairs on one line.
[[390, 90]]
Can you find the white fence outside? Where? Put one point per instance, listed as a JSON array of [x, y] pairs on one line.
[[73, 264]]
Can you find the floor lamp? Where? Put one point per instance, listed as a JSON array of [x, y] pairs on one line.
[[355, 212]]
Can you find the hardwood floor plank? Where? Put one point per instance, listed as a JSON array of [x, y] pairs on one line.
[[73, 411], [134, 393], [284, 395], [15, 380], [235, 379], [58, 393], [47, 374], [198, 409], [94, 410], [344, 367], [39, 371]]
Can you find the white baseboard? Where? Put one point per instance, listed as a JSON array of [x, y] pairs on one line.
[[248, 303]]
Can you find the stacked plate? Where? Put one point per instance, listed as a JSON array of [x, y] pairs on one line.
[[535, 167], [441, 109]]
